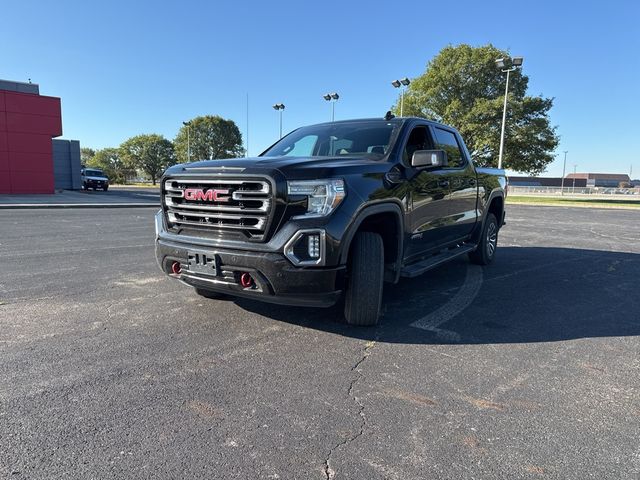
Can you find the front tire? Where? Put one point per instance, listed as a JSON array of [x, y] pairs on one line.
[[486, 251], [105, 188], [363, 296]]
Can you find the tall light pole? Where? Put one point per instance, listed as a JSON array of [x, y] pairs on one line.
[[333, 98], [511, 64], [401, 83], [188, 125], [246, 152], [279, 107], [573, 190], [564, 167]]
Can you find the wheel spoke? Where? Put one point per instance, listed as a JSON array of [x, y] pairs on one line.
[[492, 238]]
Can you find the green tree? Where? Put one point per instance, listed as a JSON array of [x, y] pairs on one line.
[[463, 87], [209, 137], [151, 154], [86, 154], [110, 161]]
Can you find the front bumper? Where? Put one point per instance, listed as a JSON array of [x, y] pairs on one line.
[[95, 183], [276, 280]]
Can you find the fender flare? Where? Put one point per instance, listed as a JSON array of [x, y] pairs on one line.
[[496, 193], [367, 211]]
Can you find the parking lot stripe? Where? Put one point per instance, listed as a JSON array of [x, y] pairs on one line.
[[458, 303]]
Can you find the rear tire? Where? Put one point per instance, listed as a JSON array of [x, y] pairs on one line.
[[105, 188], [363, 295], [486, 251], [210, 294]]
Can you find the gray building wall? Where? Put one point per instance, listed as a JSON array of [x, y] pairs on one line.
[[21, 87], [66, 164]]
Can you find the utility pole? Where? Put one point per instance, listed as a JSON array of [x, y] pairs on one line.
[[333, 98], [279, 107], [402, 84], [188, 125], [564, 167], [246, 153], [513, 64]]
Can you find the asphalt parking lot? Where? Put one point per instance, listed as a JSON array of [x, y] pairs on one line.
[[529, 368]]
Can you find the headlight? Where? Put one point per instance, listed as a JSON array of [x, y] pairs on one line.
[[324, 196]]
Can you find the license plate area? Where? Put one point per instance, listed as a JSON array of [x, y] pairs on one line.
[[203, 264]]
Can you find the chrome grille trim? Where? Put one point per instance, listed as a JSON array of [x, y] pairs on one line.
[[245, 205]]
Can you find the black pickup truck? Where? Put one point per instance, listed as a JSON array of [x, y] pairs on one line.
[[329, 213]]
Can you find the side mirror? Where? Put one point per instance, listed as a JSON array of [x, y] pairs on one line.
[[429, 158]]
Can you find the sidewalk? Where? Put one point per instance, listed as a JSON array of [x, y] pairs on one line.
[[114, 198]]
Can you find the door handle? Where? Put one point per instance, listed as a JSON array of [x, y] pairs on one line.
[[443, 183]]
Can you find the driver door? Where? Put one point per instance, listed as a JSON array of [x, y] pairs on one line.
[[429, 195]]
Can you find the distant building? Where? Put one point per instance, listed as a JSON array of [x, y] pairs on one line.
[[600, 179], [581, 180], [517, 181]]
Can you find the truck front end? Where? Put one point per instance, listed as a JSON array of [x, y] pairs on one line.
[[249, 233]]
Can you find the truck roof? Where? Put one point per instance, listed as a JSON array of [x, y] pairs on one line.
[[392, 120]]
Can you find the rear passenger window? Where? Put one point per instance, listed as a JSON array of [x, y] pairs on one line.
[[446, 140]]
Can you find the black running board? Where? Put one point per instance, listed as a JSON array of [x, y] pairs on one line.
[[422, 266]]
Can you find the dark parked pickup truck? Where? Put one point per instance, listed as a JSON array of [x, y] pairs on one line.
[[330, 212]]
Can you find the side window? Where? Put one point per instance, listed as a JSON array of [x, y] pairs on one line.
[[419, 139], [446, 140]]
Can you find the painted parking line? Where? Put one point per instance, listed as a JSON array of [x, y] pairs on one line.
[[458, 303]]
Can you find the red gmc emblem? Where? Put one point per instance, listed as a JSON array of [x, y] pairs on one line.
[[211, 195]]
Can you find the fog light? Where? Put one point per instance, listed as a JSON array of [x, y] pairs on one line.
[[313, 246], [307, 247]]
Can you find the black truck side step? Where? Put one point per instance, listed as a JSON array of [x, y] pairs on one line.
[[422, 266]]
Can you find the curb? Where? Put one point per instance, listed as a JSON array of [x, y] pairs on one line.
[[16, 206]]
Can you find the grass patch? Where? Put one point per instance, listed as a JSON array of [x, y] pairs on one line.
[[574, 202]]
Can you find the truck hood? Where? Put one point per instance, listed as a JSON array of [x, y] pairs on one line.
[[289, 167]]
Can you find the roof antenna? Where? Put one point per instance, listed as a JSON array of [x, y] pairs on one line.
[[388, 116]]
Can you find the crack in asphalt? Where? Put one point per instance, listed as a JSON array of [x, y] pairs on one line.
[[328, 471]]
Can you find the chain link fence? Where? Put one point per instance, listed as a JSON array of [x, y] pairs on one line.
[[608, 192]]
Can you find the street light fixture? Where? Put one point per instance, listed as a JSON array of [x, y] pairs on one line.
[[279, 107], [188, 125], [506, 65], [333, 98], [404, 82]]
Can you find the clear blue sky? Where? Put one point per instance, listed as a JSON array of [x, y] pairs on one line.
[[124, 68]]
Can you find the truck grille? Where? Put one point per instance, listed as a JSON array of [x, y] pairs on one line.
[[219, 204]]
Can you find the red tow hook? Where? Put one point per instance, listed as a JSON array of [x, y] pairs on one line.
[[246, 280], [176, 269]]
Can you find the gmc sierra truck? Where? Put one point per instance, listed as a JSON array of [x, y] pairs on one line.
[[329, 213]]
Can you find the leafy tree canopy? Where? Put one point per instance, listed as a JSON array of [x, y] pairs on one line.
[[151, 154], [110, 161], [86, 154], [462, 87], [209, 137]]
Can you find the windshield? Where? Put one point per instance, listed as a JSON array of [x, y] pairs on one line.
[[94, 173], [366, 138]]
